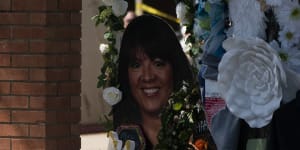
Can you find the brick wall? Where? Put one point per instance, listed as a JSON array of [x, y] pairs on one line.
[[40, 74]]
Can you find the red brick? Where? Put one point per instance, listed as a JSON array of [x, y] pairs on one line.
[[38, 102], [63, 116], [13, 130], [42, 102], [28, 144], [75, 129], [49, 46], [14, 18], [69, 88], [75, 102], [5, 144], [37, 130], [51, 144], [14, 46], [56, 32], [32, 5], [76, 45], [75, 18], [29, 32], [49, 74], [4, 88], [4, 116], [76, 74], [70, 4], [37, 18], [5, 5], [5, 32], [70, 60], [33, 89], [75, 116], [70, 32], [58, 130], [69, 143], [13, 74], [51, 117], [13, 102], [58, 18], [29, 60], [23, 116], [4, 59], [46, 61]]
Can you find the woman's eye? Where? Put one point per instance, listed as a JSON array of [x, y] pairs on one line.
[[134, 65], [159, 62]]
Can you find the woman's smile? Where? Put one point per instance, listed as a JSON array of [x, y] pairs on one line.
[[151, 91]]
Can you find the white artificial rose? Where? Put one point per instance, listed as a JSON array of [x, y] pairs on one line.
[[119, 7], [112, 95], [103, 48], [251, 80], [108, 2], [181, 13]]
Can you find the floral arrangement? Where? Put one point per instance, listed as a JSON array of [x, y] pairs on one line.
[[253, 73], [183, 126]]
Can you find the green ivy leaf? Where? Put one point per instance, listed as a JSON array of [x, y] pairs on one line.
[[177, 106], [108, 36]]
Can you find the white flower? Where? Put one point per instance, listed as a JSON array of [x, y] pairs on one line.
[[251, 79], [119, 7], [288, 38], [247, 18], [290, 56], [104, 48], [108, 2], [274, 2], [112, 95], [181, 13], [288, 14]]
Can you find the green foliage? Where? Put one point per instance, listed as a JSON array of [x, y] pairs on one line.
[[179, 117], [113, 24]]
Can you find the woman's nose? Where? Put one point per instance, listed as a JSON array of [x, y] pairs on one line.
[[147, 74]]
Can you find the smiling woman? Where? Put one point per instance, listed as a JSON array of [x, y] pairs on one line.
[[152, 66], [149, 55]]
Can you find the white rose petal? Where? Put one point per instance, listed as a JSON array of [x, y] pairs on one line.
[[274, 2], [251, 80], [181, 13], [112, 95], [108, 2], [103, 48], [119, 7]]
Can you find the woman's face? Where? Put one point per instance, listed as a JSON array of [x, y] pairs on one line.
[[151, 82]]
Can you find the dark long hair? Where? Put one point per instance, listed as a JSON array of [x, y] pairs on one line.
[[156, 38]]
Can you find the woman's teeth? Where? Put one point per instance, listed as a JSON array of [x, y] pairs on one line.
[[151, 91]]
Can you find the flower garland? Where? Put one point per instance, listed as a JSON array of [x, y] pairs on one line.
[[111, 15]]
